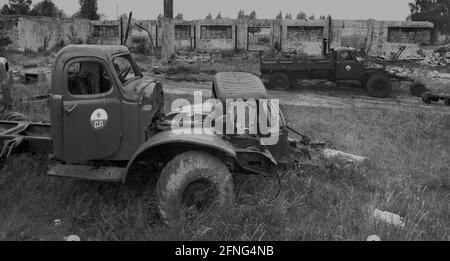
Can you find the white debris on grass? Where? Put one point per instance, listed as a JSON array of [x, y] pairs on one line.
[[373, 238], [389, 218], [73, 238]]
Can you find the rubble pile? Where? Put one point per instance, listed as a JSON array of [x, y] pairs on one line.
[[438, 57]]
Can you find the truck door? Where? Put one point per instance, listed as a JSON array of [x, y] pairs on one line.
[[347, 66], [92, 116]]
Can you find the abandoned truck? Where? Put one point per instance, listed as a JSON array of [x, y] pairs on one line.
[[341, 64], [106, 119]]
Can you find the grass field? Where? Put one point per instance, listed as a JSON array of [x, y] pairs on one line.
[[409, 175]]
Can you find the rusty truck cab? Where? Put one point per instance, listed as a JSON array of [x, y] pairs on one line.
[[98, 104], [348, 65]]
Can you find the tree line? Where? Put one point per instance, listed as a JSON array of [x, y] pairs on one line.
[[436, 11], [88, 9]]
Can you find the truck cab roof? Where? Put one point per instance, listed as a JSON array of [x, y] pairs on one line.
[[100, 51]]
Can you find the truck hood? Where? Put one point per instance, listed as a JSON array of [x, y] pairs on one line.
[[135, 89]]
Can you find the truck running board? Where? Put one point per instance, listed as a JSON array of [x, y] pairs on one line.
[[102, 174]]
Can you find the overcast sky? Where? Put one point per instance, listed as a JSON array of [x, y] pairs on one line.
[[198, 9]]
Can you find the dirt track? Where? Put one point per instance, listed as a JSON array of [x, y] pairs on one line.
[[327, 97]]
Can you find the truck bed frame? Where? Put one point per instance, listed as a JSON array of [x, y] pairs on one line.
[[25, 137]]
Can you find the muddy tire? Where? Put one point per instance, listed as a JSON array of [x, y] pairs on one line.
[[193, 181], [13, 116], [418, 89], [279, 80], [379, 86], [426, 98]]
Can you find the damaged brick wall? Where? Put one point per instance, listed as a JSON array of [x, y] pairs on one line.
[[305, 33], [105, 32], [209, 32], [259, 38], [215, 35], [303, 36], [183, 36], [409, 35]]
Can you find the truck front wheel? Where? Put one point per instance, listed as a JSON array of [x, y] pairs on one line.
[[418, 89], [193, 182], [279, 80], [379, 86]]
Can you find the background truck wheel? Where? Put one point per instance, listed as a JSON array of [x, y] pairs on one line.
[[426, 98], [418, 89], [193, 181], [13, 116], [379, 86], [279, 80]]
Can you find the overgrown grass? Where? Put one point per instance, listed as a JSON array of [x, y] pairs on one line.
[[409, 175]]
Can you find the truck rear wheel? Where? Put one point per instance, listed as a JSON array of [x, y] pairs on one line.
[[418, 89], [426, 98], [379, 86], [193, 181], [279, 80]]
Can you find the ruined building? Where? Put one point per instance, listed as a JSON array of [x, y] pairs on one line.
[[305, 36]]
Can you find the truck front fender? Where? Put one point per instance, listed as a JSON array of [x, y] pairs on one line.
[[169, 144]]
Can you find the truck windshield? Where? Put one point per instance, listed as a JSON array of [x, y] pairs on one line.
[[125, 69]]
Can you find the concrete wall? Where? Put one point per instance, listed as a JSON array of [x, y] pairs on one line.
[[9, 35], [301, 36], [33, 33], [47, 33]]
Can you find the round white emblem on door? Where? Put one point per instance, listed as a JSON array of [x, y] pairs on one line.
[[348, 68], [99, 119]]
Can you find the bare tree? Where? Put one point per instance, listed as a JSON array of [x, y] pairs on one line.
[[279, 16], [241, 14]]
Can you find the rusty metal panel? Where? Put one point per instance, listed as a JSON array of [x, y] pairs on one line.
[[236, 85], [104, 174]]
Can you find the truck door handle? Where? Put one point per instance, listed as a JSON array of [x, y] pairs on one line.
[[69, 109]]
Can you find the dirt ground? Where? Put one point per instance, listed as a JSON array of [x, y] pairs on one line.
[[407, 142]]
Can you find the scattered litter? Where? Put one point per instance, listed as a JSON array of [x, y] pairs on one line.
[[57, 222], [389, 218], [73, 238], [374, 238]]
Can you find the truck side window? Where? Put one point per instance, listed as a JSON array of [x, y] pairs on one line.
[[346, 56], [124, 69], [88, 78]]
